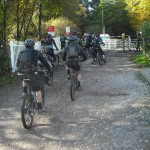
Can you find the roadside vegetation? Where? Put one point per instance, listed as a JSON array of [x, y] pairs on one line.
[[141, 60]]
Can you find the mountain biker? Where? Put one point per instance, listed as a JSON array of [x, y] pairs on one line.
[[96, 47], [73, 61], [62, 41], [79, 41], [49, 42], [27, 68]]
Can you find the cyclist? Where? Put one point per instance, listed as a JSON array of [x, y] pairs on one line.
[[96, 47], [49, 42], [27, 68], [63, 41], [73, 60]]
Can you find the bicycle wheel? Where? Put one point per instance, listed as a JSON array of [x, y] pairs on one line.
[[49, 78], [100, 59], [72, 88], [27, 112]]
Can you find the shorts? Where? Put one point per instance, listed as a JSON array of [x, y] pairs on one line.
[[76, 67], [36, 84]]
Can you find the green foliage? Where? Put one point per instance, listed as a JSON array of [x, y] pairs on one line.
[[141, 60], [116, 18], [7, 79], [139, 11], [93, 28], [145, 28], [61, 24]]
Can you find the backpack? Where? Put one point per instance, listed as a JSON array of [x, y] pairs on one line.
[[72, 55], [72, 50], [25, 62]]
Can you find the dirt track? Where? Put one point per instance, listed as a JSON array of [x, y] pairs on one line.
[[110, 113]]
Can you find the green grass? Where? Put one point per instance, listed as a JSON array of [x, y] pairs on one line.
[[7, 79], [141, 60]]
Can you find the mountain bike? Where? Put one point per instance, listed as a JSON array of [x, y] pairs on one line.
[[99, 57], [29, 104], [73, 83]]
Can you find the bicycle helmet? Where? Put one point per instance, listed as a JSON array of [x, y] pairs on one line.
[[29, 43], [72, 38], [42, 42], [49, 36]]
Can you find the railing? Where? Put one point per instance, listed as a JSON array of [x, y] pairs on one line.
[[113, 43]]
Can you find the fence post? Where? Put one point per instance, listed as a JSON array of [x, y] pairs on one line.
[[129, 42], [12, 56]]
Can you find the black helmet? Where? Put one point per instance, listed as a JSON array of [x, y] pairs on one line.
[[72, 38], [29, 43], [49, 36], [42, 42]]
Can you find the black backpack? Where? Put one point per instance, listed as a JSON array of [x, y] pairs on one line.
[[72, 55], [25, 62]]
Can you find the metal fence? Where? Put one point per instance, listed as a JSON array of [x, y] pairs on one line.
[[116, 42], [111, 43]]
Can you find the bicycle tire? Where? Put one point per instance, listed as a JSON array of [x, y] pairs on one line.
[[50, 78], [72, 88], [27, 108], [100, 59]]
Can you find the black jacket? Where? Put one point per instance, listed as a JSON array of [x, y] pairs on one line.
[[35, 56]]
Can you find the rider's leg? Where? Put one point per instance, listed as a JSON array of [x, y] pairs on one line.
[[77, 68], [38, 96], [36, 85], [39, 100], [68, 72], [94, 56], [24, 84], [51, 53], [102, 53]]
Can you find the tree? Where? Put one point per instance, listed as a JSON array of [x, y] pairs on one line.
[[116, 18], [139, 11]]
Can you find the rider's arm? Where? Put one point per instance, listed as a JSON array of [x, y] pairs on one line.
[[82, 53], [43, 61], [54, 43], [64, 55]]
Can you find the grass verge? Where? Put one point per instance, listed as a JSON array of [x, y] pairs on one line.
[[7, 79], [141, 60]]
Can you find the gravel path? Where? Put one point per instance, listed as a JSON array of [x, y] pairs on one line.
[[110, 113]]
